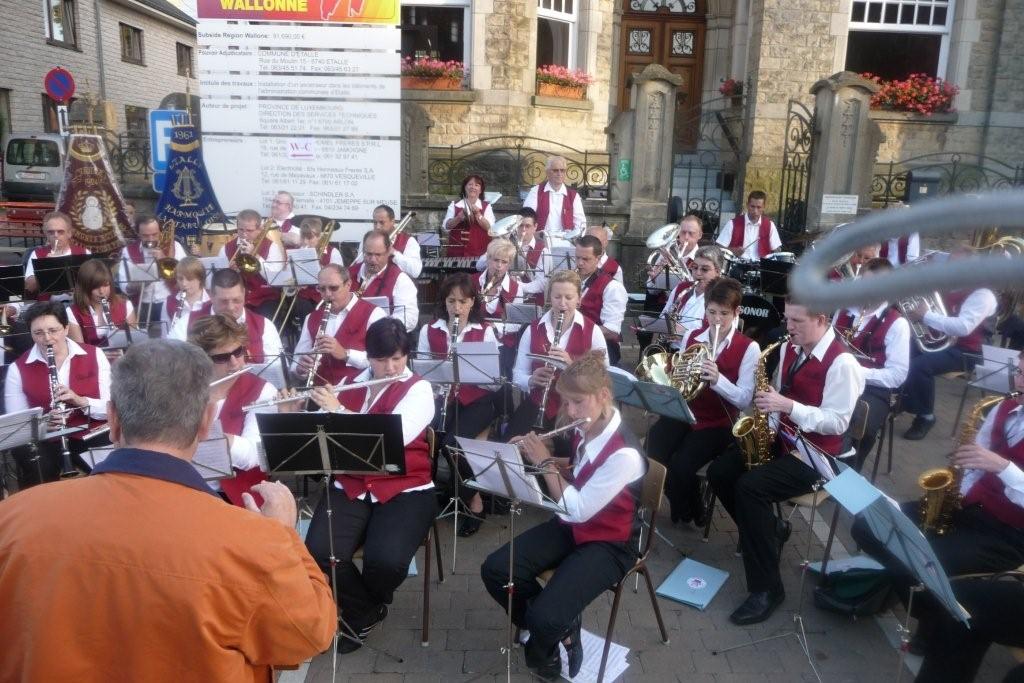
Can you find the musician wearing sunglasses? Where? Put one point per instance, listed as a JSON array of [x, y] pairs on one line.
[[684, 448], [308, 297], [342, 346], [377, 276], [225, 342], [603, 299], [385, 515], [578, 335], [83, 381], [809, 405], [684, 309], [227, 297], [593, 543]]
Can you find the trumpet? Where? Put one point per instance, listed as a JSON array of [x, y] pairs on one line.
[[400, 226], [547, 389], [305, 394], [248, 261]]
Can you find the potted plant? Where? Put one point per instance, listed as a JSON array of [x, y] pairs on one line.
[[919, 93], [427, 73], [558, 81], [732, 89]]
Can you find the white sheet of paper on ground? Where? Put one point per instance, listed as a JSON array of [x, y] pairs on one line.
[[593, 646]]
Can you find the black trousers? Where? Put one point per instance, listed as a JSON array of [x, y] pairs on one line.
[[749, 496], [389, 534], [977, 542], [877, 399], [684, 450], [919, 389], [955, 652], [582, 573], [466, 421], [614, 351]]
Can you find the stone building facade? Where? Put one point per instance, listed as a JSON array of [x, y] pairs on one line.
[[131, 55]]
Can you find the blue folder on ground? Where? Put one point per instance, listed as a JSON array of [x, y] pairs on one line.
[[692, 583]]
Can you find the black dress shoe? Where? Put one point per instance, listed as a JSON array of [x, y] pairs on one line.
[[550, 670], [757, 607], [358, 634], [574, 648], [919, 428], [469, 524]]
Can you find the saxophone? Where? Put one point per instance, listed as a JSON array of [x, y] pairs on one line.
[[752, 432], [941, 485]]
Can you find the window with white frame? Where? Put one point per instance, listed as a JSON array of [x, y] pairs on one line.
[[896, 38], [556, 32], [61, 24], [437, 28]]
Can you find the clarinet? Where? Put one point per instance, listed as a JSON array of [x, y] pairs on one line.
[[539, 424], [182, 300], [448, 390], [67, 470], [105, 308], [321, 330]]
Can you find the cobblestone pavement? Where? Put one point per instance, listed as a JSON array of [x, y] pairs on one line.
[[467, 628]]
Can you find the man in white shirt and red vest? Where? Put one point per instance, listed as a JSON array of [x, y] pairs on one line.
[[902, 250], [810, 422], [342, 346], [606, 264], [532, 260], [405, 250], [987, 533], [751, 235], [966, 313], [259, 296], [378, 276], [57, 230], [144, 252], [603, 299], [227, 297], [559, 207], [282, 210], [880, 335]]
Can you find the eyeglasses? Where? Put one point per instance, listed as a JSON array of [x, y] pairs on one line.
[[558, 170], [323, 289], [221, 358], [53, 331], [1016, 372]]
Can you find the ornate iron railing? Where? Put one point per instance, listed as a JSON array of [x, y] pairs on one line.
[[510, 164], [957, 173], [129, 157], [797, 156]]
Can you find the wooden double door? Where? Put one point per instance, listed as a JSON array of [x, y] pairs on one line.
[[670, 33]]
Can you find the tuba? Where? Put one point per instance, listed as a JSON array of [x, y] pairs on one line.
[[752, 432], [928, 340], [941, 485]]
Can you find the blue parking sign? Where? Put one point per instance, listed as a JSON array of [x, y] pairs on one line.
[[160, 123]]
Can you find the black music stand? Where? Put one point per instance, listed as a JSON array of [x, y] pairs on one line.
[[331, 444], [21, 428], [58, 274], [775, 277]]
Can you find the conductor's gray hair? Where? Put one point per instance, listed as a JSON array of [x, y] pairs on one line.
[[160, 389]]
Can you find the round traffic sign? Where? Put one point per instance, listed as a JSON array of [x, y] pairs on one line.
[[59, 84]]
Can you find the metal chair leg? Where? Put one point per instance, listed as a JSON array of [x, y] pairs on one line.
[[892, 432], [654, 604], [425, 634], [437, 553], [611, 629]]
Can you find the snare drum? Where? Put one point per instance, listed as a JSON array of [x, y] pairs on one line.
[[782, 256], [213, 236]]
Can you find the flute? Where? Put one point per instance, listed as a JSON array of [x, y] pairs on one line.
[[307, 393]]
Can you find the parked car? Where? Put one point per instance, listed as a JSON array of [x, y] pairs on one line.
[[33, 166]]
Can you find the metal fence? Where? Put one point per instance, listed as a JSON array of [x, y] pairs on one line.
[[512, 163], [129, 158], [956, 173]]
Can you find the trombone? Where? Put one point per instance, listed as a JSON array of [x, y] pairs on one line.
[[321, 247]]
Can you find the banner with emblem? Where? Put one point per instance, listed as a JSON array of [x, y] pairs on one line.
[[92, 198], [188, 198]]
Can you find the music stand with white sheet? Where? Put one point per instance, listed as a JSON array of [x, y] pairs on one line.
[[272, 370], [299, 269], [212, 459]]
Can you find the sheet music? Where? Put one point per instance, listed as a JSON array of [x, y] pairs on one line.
[[299, 269], [434, 370], [593, 648], [270, 371], [554, 362], [378, 301], [16, 428], [478, 362], [428, 239], [499, 468], [140, 272], [650, 323], [122, 338], [522, 314], [213, 455]]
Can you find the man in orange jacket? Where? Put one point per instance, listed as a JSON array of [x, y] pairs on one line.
[[139, 571]]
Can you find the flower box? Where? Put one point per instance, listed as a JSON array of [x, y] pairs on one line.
[[431, 83], [569, 92]]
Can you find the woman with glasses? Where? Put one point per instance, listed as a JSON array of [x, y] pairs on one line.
[[335, 332], [90, 321], [685, 306], [468, 219], [83, 384], [224, 341]]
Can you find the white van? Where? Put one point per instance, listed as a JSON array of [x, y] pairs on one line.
[[33, 166]]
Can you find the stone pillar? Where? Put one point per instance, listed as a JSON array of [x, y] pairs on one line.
[[416, 125], [653, 96], [620, 159], [847, 145]]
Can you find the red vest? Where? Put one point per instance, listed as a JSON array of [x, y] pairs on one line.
[[257, 291], [254, 324], [533, 255], [84, 380], [351, 334], [972, 342], [245, 390], [764, 235], [989, 490], [610, 268], [807, 386], [505, 297], [593, 296], [438, 341], [544, 206], [617, 520], [401, 240], [682, 294], [871, 339], [468, 240], [417, 452], [711, 409], [118, 315], [579, 342], [901, 250], [382, 285]]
